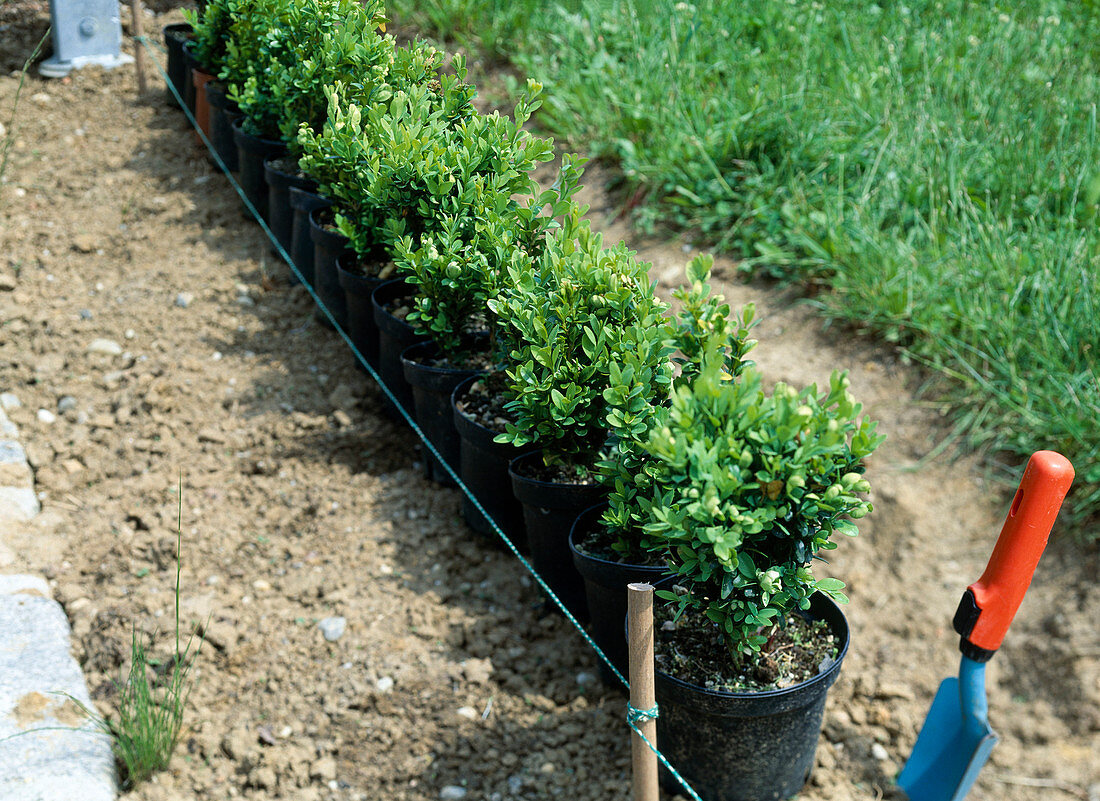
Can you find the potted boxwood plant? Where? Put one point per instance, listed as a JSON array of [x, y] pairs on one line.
[[326, 153], [370, 143], [472, 231], [477, 404], [323, 42], [576, 314], [745, 490], [608, 544], [207, 91]]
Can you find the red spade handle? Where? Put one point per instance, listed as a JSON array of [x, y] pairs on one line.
[[991, 602]]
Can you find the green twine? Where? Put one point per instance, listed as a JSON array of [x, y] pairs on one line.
[[634, 716]]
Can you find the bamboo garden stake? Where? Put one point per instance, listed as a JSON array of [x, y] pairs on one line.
[[642, 699], [139, 51]]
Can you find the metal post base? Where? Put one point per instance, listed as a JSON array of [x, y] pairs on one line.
[[54, 67]]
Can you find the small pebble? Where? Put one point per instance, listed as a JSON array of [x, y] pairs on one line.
[[66, 404], [333, 628], [46, 416], [468, 712], [9, 401], [548, 768], [7, 283], [452, 792], [183, 299], [85, 314], [129, 333], [384, 684], [105, 347], [878, 752]]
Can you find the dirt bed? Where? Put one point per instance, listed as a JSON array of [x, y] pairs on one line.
[[302, 501]]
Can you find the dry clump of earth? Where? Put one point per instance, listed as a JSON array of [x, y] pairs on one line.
[[359, 641]]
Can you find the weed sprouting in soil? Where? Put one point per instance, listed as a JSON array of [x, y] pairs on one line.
[[9, 134], [153, 697]]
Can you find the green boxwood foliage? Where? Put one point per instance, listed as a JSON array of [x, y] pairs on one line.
[[747, 488], [316, 43], [389, 166], [400, 167], [481, 235], [249, 22], [579, 315], [703, 318], [280, 54], [331, 152], [211, 34]]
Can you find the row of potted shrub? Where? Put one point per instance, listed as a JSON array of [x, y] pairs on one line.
[[638, 443]]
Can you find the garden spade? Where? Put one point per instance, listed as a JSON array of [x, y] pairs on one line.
[[956, 738]]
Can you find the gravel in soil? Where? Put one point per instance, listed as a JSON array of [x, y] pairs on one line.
[[484, 402], [300, 506]]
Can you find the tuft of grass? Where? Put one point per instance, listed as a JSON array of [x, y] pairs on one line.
[[152, 699], [151, 707], [935, 163]]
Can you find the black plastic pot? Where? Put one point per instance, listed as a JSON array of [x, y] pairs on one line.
[[394, 335], [432, 387], [549, 510], [328, 245], [605, 591], [280, 216], [252, 151], [223, 113], [483, 467], [357, 292], [747, 746], [179, 75], [301, 243], [190, 63]]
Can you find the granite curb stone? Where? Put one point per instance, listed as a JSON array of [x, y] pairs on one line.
[[50, 750]]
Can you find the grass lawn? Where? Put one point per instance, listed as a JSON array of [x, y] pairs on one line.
[[935, 164]]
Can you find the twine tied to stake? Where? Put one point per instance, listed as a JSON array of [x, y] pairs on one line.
[[634, 716]]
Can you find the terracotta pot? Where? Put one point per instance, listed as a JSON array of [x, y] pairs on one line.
[[200, 78]]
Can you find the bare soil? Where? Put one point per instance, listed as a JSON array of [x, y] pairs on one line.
[[302, 501]]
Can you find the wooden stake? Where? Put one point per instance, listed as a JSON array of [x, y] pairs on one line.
[[639, 601], [137, 12]]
